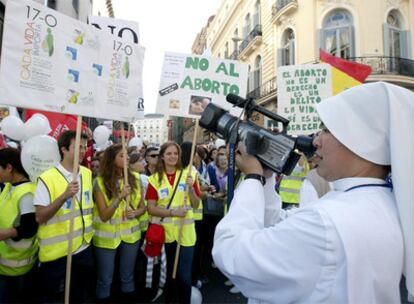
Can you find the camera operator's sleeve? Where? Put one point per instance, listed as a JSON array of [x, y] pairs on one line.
[[276, 264], [273, 204]]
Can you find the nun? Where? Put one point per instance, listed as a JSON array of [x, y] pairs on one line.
[[354, 244]]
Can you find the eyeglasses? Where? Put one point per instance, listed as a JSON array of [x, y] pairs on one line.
[[153, 155]]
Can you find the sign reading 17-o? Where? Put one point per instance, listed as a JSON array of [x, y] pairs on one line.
[[33, 13], [190, 82]]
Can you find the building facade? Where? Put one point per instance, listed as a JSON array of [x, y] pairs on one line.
[[152, 129], [267, 34]]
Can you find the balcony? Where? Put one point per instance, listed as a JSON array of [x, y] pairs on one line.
[[251, 42], [282, 7], [265, 90], [388, 65], [392, 69]]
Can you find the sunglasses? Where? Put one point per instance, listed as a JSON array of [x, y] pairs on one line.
[[153, 155]]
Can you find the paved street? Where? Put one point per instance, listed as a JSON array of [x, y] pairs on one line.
[[215, 291]]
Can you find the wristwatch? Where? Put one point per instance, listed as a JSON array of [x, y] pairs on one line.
[[259, 177]]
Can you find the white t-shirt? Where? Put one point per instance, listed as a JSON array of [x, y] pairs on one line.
[[42, 197]]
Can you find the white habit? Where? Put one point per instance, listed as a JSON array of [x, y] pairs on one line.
[[346, 248]]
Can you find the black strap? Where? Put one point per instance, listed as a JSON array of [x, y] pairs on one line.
[[175, 189], [369, 185]]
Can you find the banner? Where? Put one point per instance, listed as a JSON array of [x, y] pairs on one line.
[[58, 122], [190, 82], [299, 89], [128, 31], [55, 63]]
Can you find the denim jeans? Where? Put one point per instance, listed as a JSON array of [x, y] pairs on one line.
[[179, 290], [52, 277], [105, 263]]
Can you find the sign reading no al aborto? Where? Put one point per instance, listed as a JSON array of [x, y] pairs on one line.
[[190, 82], [55, 63]]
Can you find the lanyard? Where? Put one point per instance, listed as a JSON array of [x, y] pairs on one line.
[[369, 185]]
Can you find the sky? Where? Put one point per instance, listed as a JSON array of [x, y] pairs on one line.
[[164, 26]]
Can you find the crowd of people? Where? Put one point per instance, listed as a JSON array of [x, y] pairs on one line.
[[112, 209]]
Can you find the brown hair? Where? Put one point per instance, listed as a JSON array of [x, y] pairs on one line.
[[160, 170], [134, 157], [108, 174], [65, 140]]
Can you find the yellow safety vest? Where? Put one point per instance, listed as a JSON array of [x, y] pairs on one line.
[[16, 258], [54, 234], [118, 228], [289, 189], [172, 224], [5, 191]]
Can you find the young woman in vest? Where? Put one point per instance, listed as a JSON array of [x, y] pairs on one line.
[[160, 189], [18, 245], [117, 229]]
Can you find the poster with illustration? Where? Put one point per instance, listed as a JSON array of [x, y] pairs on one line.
[[190, 82], [129, 32], [55, 63]]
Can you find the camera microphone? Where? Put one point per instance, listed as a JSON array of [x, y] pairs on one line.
[[250, 105], [236, 100]]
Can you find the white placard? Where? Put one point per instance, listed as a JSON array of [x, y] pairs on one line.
[[190, 82], [55, 63], [126, 30], [299, 89]]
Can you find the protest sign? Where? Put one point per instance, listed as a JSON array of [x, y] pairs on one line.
[[300, 89], [55, 63], [190, 82], [128, 31]]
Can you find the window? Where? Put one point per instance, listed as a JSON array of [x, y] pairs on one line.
[[257, 14], [226, 51], [247, 26], [286, 54], [236, 40], [395, 38], [338, 35], [75, 4], [255, 77]]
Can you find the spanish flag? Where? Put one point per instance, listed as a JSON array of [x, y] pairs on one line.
[[345, 74]]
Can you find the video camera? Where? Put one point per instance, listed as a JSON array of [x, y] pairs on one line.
[[274, 151]]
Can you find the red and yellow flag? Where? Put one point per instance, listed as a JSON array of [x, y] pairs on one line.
[[345, 74]]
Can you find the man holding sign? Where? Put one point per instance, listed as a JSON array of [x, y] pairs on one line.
[[53, 202]]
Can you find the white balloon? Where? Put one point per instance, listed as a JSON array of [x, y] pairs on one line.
[[219, 142], [135, 142], [38, 124], [39, 154], [101, 135], [104, 146], [12, 127], [196, 297], [12, 144]]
